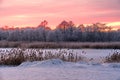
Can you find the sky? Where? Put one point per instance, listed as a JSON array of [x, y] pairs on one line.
[[32, 12]]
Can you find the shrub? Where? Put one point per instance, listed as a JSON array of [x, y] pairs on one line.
[[115, 57]]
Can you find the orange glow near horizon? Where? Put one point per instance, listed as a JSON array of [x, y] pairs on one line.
[[22, 13], [114, 25]]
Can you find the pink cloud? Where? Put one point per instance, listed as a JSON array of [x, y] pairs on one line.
[[80, 11]]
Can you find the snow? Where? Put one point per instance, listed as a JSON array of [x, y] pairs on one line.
[[46, 63], [56, 69]]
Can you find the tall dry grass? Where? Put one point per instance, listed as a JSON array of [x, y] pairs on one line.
[[17, 56], [115, 57], [72, 45]]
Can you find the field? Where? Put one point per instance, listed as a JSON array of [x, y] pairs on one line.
[[54, 45], [91, 65]]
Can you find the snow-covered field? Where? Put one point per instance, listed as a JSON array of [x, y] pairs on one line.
[[56, 69]]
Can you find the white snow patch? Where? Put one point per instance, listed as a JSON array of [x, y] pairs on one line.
[[46, 63], [112, 65], [50, 70]]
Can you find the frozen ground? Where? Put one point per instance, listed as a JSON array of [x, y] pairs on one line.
[[56, 69]]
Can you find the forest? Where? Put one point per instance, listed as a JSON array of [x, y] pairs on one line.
[[66, 31]]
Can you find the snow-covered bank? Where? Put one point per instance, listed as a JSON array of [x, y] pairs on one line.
[[91, 68], [56, 69]]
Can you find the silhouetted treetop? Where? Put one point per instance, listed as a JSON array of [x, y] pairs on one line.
[[66, 31]]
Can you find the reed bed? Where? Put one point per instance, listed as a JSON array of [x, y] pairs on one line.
[[54, 45], [17, 56]]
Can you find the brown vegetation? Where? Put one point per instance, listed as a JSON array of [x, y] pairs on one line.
[[17, 56], [53, 45], [115, 57]]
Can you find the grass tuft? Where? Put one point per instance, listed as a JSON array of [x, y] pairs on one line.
[[115, 57]]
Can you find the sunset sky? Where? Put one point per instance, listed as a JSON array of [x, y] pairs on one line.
[[32, 12]]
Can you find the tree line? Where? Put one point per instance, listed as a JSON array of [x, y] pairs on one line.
[[64, 32]]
